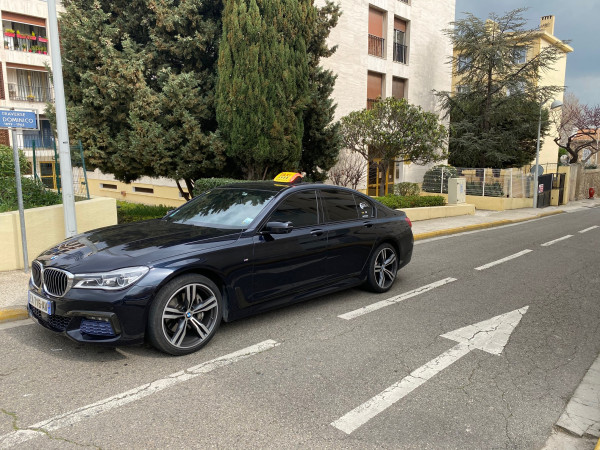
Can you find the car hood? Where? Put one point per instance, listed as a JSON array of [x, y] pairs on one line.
[[133, 244]]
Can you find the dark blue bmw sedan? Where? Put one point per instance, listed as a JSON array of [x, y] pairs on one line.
[[228, 253]]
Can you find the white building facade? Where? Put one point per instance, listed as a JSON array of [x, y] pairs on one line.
[[391, 48], [24, 80]]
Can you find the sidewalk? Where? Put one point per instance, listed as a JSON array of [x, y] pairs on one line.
[[13, 298]]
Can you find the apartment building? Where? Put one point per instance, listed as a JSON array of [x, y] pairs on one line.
[[391, 48], [24, 80]]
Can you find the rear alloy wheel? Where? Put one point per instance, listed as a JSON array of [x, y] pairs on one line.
[[185, 315], [383, 268]]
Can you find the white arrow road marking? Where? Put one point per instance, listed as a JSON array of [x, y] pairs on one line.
[[398, 298], [546, 244], [589, 229], [85, 412], [500, 261], [490, 336]]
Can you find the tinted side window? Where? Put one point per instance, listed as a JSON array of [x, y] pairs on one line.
[[299, 208], [340, 205], [365, 207]]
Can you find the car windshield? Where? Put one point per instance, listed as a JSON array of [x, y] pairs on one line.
[[222, 208]]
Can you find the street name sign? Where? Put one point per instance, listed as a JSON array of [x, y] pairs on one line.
[[26, 120]]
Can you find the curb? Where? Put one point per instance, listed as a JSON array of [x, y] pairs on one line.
[[13, 313], [480, 226]]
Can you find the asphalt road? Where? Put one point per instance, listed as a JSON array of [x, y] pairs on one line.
[[311, 367]]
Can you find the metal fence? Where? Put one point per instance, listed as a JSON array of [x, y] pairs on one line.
[[509, 183], [44, 159]]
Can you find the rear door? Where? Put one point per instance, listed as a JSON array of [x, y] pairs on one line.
[[290, 263], [352, 234]]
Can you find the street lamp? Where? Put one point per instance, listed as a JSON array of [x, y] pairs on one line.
[[555, 104]]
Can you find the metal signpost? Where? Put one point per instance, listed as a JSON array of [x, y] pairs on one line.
[[25, 120]]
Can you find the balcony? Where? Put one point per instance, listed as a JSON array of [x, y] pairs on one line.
[[376, 46], [28, 43], [27, 93], [400, 53]]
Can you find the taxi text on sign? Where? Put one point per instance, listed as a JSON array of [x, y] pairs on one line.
[[18, 119]]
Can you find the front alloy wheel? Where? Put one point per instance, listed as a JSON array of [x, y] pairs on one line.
[[185, 315], [383, 268]]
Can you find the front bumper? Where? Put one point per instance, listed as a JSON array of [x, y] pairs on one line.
[[97, 316]]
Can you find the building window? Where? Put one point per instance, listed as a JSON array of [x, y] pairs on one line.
[[108, 186], [398, 87], [24, 36], [462, 89], [374, 88], [520, 55], [376, 33], [143, 190], [31, 85], [463, 63], [400, 47]]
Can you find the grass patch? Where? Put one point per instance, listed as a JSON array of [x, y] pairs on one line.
[[134, 212]]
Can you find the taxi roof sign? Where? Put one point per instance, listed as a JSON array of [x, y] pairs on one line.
[[288, 177]]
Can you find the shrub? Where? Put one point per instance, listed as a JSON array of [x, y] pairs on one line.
[[591, 166], [134, 212], [413, 201], [407, 189], [7, 164], [432, 180], [206, 184], [35, 194]]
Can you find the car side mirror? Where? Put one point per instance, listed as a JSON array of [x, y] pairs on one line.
[[277, 228]]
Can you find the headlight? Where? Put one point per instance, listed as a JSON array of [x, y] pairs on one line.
[[116, 279]]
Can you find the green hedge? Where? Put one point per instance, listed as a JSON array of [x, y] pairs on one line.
[[412, 201], [133, 212], [206, 184], [35, 194]]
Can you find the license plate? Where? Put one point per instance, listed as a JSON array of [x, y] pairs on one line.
[[43, 305]]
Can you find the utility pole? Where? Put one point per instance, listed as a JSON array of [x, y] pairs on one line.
[[61, 124]]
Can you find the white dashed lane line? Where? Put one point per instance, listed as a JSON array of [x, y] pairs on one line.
[[102, 406], [546, 244], [500, 261], [393, 300], [589, 229]]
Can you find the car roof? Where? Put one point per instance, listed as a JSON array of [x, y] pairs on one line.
[[274, 186]]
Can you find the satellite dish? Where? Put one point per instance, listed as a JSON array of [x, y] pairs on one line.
[[538, 168], [564, 159]]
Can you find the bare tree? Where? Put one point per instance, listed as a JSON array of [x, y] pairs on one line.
[[578, 127], [349, 171]]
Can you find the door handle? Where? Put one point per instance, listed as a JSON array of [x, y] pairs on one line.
[[316, 232]]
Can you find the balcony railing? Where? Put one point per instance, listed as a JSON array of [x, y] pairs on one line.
[[371, 102], [26, 93], [376, 45], [400, 53], [25, 43]]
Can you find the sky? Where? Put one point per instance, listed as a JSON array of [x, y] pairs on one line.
[[576, 21]]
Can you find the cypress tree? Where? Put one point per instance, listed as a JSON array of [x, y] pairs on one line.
[[321, 142], [263, 88]]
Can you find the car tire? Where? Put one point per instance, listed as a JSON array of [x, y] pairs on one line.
[[383, 267], [185, 315]]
